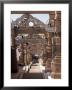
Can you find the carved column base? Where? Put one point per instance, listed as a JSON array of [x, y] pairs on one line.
[[56, 75], [48, 65], [44, 61], [56, 68]]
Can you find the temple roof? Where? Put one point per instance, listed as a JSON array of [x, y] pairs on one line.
[[27, 20]]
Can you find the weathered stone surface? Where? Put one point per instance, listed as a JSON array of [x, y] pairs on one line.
[[48, 65], [14, 67], [25, 22], [56, 67], [56, 75], [47, 46]]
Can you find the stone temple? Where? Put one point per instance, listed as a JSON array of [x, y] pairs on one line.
[[36, 47]]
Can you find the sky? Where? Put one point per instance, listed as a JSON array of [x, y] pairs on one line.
[[42, 17]]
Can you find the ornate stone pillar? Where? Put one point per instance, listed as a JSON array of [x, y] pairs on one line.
[[49, 46], [29, 57], [56, 67], [49, 39], [21, 57], [14, 67], [44, 56], [25, 54], [51, 19], [56, 62], [49, 54]]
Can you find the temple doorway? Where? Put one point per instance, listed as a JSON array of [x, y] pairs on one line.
[[36, 46]]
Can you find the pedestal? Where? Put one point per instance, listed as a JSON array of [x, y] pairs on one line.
[[56, 67]]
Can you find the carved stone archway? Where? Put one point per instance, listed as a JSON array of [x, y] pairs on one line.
[[52, 33], [21, 27]]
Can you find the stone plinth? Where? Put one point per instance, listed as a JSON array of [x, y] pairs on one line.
[[48, 65], [56, 75], [56, 67]]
